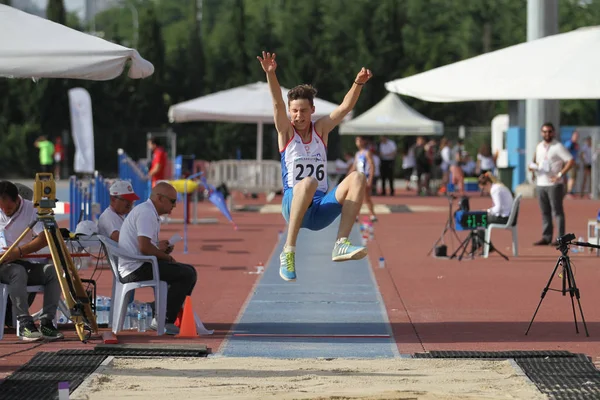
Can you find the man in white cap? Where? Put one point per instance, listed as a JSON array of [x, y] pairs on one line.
[[122, 197]]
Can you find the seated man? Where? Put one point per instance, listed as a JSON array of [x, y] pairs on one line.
[[122, 197], [16, 214], [502, 200], [307, 202], [139, 236]]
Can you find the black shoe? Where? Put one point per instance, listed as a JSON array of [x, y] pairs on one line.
[[49, 332], [542, 242], [28, 331]]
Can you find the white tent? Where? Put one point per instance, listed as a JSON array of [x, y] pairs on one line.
[[244, 104], [563, 66], [391, 116], [34, 47]]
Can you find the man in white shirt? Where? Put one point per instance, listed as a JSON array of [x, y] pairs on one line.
[[139, 236], [16, 214], [387, 153], [551, 162], [122, 197]]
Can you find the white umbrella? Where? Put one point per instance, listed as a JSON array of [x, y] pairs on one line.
[[34, 47], [563, 66], [391, 116], [244, 104]]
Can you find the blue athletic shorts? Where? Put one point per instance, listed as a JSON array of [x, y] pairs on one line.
[[323, 210]]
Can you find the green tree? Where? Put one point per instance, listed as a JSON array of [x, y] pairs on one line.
[[147, 102], [55, 11], [51, 94]]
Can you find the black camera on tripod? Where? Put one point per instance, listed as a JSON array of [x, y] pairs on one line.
[[565, 240]]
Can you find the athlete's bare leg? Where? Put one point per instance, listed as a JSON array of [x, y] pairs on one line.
[[350, 193], [304, 192], [369, 201]]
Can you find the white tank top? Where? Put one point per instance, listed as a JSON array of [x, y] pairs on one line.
[[300, 160], [361, 163]]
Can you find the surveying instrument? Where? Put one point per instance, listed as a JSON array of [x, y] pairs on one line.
[[568, 278], [76, 298]]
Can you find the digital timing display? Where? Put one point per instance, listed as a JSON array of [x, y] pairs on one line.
[[468, 220]]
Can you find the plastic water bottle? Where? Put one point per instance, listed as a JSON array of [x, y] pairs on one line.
[[99, 309], [126, 322], [135, 308], [148, 314], [141, 318], [381, 262], [107, 307], [580, 248], [61, 318]]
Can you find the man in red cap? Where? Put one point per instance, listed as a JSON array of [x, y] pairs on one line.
[[122, 197]]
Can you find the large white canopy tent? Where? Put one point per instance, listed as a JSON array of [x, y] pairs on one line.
[[562, 66], [391, 116], [250, 103], [34, 47]]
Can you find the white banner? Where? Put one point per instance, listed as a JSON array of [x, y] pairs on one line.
[[82, 129]]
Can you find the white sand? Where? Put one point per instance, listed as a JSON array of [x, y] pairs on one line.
[[260, 378]]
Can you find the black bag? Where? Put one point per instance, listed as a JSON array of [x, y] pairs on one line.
[[441, 251]]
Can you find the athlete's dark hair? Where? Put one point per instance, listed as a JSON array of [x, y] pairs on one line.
[[302, 92]]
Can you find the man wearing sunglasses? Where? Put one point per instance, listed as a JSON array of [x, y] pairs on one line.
[[139, 236], [122, 198], [551, 162]]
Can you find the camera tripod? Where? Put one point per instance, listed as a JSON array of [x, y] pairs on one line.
[[476, 242], [448, 227], [568, 279], [76, 298]]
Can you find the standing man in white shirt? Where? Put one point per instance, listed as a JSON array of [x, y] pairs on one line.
[[551, 162], [139, 236], [387, 153], [122, 198], [16, 214]]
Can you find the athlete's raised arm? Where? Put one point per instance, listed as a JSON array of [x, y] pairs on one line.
[[282, 122], [326, 124]]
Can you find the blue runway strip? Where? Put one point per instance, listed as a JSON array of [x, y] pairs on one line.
[[332, 310]]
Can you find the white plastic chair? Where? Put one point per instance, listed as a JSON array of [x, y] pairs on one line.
[[4, 300], [120, 290], [509, 225]]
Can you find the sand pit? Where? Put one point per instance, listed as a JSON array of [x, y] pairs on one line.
[[220, 378]]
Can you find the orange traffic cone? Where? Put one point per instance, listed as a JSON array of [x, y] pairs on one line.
[[187, 329], [179, 316]]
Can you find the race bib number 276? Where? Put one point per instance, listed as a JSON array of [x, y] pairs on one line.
[[309, 166]]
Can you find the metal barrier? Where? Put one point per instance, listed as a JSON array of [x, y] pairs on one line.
[[246, 175], [87, 199], [130, 171]]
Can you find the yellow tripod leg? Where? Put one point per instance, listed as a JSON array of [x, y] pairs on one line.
[[16, 243], [76, 298]]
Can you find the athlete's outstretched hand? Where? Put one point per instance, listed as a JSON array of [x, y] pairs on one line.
[[363, 76], [268, 62]]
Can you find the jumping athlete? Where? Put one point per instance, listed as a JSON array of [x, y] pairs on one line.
[[303, 147]]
